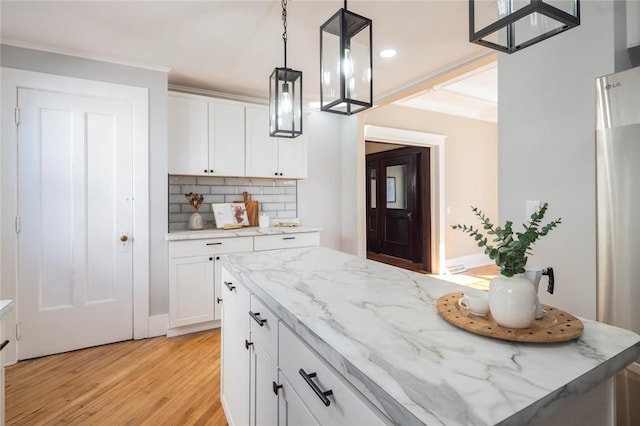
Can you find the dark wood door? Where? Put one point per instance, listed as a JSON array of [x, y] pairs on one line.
[[398, 204]]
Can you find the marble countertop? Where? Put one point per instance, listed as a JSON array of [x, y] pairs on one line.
[[378, 326], [249, 231], [5, 307]]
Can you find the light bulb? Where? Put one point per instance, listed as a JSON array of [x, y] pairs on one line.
[[347, 64], [285, 100]]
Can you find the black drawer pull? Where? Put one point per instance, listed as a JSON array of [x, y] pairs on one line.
[[321, 394], [214, 244], [288, 238], [256, 317], [276, 387], [219, 300], [247, 344], [229, 285], [3, 344]]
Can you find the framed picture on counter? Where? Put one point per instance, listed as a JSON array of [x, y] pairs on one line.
[[229, 214]]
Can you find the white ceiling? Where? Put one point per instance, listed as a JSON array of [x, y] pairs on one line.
[[233, 46]]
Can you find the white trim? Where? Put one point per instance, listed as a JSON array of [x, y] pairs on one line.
[[179, 331], [416, 85], [470, 261], [139, 97], [158, 325], [436, 143], [76, 54]]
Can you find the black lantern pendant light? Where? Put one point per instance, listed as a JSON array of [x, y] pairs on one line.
[[512, 25], [346, 63], [285, 95]]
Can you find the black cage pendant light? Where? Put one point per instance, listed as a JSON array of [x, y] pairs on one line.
[[346, 63], [512, 25], [285, 95]]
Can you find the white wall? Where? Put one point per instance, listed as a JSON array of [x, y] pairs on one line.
[[546, 101], [470, 167], [319, 201], [156, 82]]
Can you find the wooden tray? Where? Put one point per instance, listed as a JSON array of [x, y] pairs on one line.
[[555, 326]]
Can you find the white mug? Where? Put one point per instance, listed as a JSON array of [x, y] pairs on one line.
[[476, 302], [263, 220]]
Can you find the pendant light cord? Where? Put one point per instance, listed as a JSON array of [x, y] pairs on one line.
[[284, 33]]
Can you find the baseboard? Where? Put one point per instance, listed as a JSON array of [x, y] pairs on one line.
[[158, 325], [179, 331], [468, 262]]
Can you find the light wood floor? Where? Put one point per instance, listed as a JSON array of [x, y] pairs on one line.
[[158, 381]]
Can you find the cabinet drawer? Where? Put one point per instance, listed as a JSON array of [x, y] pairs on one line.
[[346, 405], [282, 241], [264, 327], [210, 246]]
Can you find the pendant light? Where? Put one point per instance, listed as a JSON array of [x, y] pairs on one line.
[[512, 25], [346, 63], [285, 95]]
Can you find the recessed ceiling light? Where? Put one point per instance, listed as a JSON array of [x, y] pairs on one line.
[[388, 53]]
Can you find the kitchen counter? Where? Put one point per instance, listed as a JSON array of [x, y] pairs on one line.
[[5, 307], [378, 326], [248, 231]]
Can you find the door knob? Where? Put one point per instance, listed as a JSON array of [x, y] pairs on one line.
[[124, 238]]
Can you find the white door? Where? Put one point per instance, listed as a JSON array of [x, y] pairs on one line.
[[75, 211]]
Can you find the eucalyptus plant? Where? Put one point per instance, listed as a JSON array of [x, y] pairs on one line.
[[509, 250]]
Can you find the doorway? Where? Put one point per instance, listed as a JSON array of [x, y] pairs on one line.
[[398, 208]]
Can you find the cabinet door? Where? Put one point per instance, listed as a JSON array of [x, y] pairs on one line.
[[217, 288], [262, 149], [226, 139], [264, 373], [291, 409], [188, 135], [292, 157], [235, 366], [191, 288]]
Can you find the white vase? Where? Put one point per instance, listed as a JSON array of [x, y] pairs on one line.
[[196, 221], [512, 301]]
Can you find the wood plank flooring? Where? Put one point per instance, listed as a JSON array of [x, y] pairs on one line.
[[158, 381]]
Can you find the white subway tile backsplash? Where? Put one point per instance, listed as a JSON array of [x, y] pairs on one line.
[[182, 180], [205, 180], [276, 198]]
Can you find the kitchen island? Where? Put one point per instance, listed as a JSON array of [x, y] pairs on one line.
[[378, 327]]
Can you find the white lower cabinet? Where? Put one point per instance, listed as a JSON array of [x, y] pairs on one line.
[[194, 278], [235, 358], [285, 381], [291, 409], [191, 294], [263, 402], [283, 241], [329, 398]]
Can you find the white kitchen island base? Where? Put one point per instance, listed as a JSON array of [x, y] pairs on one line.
[[377, 330]]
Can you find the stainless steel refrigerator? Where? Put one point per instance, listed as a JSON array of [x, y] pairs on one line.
[[618, 212]]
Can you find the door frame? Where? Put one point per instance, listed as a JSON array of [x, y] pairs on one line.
[[436, 144], [12, 79], [420, 242]]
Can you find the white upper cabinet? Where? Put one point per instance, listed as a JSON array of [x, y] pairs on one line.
[[188, 135], [262, 149], [206, 137], [226, 139], [267, 156]]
